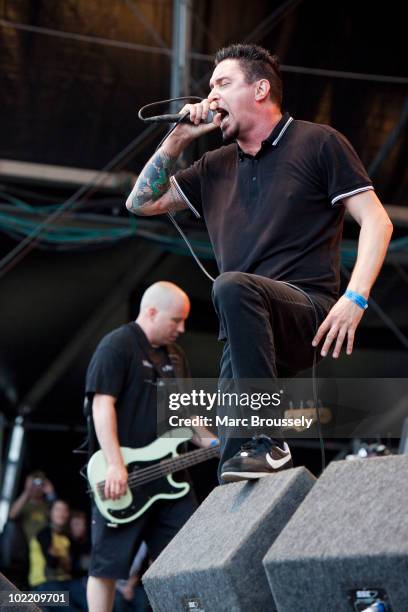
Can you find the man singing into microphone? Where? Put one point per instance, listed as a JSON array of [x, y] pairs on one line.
[[273, 199]]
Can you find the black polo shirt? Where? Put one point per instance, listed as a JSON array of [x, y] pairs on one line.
[[277, 213]]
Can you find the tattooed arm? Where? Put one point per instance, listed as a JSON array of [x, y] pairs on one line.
[[153, 194]]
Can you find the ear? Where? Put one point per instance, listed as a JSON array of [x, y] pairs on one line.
[[152, 312], [262, 89]]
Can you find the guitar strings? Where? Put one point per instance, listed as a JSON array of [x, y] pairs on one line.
[[163, 467], [167, 464]]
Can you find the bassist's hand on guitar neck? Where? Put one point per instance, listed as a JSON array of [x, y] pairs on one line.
[[116, 481]]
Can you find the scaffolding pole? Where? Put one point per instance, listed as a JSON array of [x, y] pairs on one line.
[[180, 63]]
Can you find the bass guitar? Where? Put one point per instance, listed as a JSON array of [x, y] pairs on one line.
[[150, 470]]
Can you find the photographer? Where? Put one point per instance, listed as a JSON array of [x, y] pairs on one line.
[[31, 508]]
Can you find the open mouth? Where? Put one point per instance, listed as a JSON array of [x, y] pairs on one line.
[[224, 115]]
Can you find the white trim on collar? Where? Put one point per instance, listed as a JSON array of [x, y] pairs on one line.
[[281, 133]]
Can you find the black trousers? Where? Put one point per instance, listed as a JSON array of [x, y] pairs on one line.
[[268, 329]]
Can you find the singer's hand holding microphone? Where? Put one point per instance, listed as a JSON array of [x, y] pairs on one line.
[[200, 119], [194, 119]]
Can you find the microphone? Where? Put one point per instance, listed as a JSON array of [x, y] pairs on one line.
[[175, 118]]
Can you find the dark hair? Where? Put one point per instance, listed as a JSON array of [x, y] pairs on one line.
[[256, 63], [78, 514], [58, 500]]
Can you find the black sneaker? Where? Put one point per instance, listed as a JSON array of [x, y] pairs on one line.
[[258, 457]]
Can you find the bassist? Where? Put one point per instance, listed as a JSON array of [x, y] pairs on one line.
[[121, 383]]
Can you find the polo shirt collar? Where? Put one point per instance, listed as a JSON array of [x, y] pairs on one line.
[[274, 137], [279, 130]]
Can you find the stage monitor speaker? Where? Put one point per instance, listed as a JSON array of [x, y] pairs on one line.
[[347, 542], [214, 564], [8, 587]]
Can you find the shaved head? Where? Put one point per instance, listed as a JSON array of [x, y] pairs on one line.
[[164, 307], [162, 296]]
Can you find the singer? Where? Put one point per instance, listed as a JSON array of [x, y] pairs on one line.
[[273, 199]]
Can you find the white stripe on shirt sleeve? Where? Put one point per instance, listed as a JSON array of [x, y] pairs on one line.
[[185, 199], [350, 193]]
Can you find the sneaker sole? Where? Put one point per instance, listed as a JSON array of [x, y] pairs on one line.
[[237, 476]]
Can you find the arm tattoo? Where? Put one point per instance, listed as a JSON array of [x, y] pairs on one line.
[[153, 181]]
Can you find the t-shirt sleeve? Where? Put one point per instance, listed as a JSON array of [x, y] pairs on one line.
[[342, 170], [187, 183], [106, 372]]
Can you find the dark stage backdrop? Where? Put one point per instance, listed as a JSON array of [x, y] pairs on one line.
[[74, 103]]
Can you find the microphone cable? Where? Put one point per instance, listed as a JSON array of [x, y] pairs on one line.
[[186, 240], [315, 377], [166, 118]]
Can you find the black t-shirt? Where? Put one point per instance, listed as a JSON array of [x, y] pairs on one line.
[[127, 367], [276, 214]]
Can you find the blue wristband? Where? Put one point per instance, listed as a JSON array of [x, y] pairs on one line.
[[356, 298], [215, 442]]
